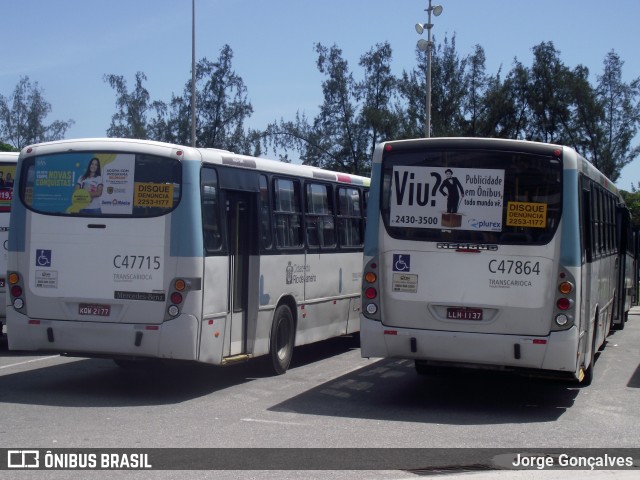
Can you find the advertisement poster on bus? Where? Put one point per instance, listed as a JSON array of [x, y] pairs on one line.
[[7, 174], [84, 183], [449, 198]]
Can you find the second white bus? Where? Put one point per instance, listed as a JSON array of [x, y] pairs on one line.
[[7, 174], [491, 253], [132, 249]]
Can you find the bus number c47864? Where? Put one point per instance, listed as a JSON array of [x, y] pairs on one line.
[[517, 267]]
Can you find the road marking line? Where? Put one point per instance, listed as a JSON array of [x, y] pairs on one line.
[[29, 361], [272, 421]]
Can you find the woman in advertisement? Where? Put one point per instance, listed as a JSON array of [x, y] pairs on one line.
[[91, 181]]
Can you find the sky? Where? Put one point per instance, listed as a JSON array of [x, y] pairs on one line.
[[67, 46]]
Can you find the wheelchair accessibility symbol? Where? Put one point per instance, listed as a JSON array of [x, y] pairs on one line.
[[43, 258], [401, 262]]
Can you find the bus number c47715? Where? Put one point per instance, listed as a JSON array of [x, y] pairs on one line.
[[517, 267], [139, 262]]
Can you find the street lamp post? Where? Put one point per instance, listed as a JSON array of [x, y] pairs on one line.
[[428, 46], [193, 73]]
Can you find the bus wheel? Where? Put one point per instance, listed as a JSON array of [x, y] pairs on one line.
[[126, 363], [422, 368], [620, 326], [588, 373], [282, 338]]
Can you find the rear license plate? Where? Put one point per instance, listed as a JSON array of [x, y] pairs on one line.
[[94, 309], [454, 313]]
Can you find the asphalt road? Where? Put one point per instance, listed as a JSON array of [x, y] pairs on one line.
[[331, 398]]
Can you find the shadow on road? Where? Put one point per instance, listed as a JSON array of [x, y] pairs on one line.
[[100, 382], [392, 390]]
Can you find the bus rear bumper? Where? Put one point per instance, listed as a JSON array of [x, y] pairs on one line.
[[175, 339], [555, 352]]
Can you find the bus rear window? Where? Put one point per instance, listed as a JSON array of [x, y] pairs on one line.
[[110, 184], [7, 174], [480, 196]]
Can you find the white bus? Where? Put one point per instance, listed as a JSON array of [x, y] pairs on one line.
[[490, 253], [7, 174], [132, 249]]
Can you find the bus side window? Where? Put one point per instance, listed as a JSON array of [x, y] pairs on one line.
[[320, 224], [265, 215], [350, 217], [210, 210], [587, 223], [287, 213]]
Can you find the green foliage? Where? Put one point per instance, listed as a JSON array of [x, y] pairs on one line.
[[632, 200], [130, 119], [620, 103], [354, 117], [221, 110], [22, 117], [546, 101]]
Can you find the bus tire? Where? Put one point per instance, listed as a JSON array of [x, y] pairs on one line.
[[620, 326], [282, 339], [126, 363], [422, 368], [588, 373]]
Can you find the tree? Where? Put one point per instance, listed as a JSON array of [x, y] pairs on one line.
[[221, 104], [621, 104], [354, 116], [477, 86], [22, 117], [337, 121], [130, 120], [221, 109], [448, 93], [632, 201], [377, 90], [548, 96], [588, 115]]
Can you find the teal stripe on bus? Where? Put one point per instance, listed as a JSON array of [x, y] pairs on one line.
[[186, 222], [373, 212], [18, 219], [570, 248]]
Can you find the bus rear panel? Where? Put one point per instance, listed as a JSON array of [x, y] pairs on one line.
[[475, 257], [99, 268], [7, 175]]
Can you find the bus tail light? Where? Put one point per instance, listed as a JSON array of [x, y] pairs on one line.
[[180, 288], [564, 303], [565, 288], [370, 300], [565, 300], [13, 278], [370, 277], [16, 290]]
